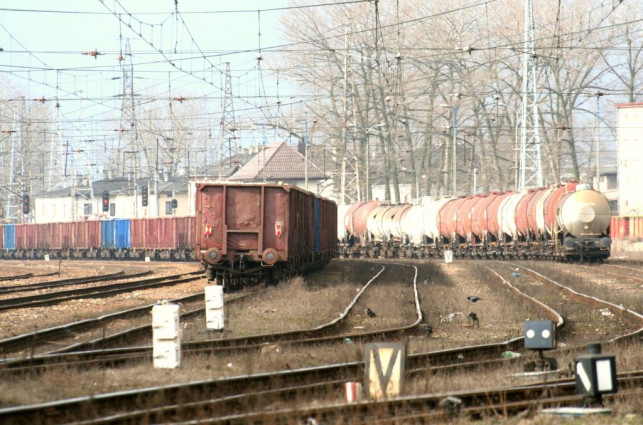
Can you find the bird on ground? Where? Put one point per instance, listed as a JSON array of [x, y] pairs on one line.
[[428, 328], [370, 312], [473, 298], [474, 319]]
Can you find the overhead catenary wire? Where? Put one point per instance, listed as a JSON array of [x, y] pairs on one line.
[[263, 97]]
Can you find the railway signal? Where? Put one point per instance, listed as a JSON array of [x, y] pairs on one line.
[[105, 201], [25, 204], [595, 374], [540, 335], [144, 196]]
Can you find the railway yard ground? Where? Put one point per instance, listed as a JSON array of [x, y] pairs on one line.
[[339, 291]]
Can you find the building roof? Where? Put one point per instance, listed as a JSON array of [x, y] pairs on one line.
[[279, 161], [120, 186]]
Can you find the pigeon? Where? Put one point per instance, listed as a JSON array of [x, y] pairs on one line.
[[429, 329], [473, 298], [370, 312]]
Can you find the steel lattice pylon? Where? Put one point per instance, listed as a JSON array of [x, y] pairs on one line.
[[229, 139], [127, 132], [531, 174]]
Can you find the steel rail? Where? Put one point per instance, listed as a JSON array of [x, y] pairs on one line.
[[95, 349], [93, 291], [71, 281]]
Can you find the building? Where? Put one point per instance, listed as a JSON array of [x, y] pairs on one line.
[[630, 158], [281, 163], [608, 185], [115, 198], [169, 195]]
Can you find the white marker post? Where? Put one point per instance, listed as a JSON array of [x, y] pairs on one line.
[[448, 256], [214, 307], [166, 339]]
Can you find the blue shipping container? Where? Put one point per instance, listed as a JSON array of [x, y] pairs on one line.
[[116, 233], [9, 236]]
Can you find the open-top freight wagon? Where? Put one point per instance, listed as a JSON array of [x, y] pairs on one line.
[[159, 238], [251, 232]]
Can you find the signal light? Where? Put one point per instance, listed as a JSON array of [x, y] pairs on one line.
[[25, 204], [175, 203], [144, 196], [106, 201]]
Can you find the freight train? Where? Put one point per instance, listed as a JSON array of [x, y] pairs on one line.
[[262, 232], [568, 222], [161, 238], [241, 233]]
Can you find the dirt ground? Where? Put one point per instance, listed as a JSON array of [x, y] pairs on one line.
[[295, 304]]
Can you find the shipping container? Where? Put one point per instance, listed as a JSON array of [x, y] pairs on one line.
[[115, 234]]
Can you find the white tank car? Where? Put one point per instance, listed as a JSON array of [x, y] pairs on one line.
[[507, 214], [412, 224], [583, 213], [375, 224], [392, 221]]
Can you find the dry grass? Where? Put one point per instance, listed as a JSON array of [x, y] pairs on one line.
[[307, 302]]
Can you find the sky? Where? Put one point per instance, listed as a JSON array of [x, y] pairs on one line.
[[67, 52], [43, 34]]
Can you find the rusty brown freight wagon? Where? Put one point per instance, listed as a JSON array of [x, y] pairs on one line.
[[252, 232]]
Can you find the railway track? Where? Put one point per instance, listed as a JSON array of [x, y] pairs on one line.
[[29, 287], [51, 298], [240, 390], [97, 351]]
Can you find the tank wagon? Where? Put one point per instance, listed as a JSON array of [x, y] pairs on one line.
[[247, 232], [160, 238], [568, 222]]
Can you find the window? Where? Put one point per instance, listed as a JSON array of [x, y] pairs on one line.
[[168, 208], [87, 209], [112, 210]]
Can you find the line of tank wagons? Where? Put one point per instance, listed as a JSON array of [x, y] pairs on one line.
[[568, 222]]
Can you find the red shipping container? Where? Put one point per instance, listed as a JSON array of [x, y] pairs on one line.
[[184, 232], [85, 234]]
